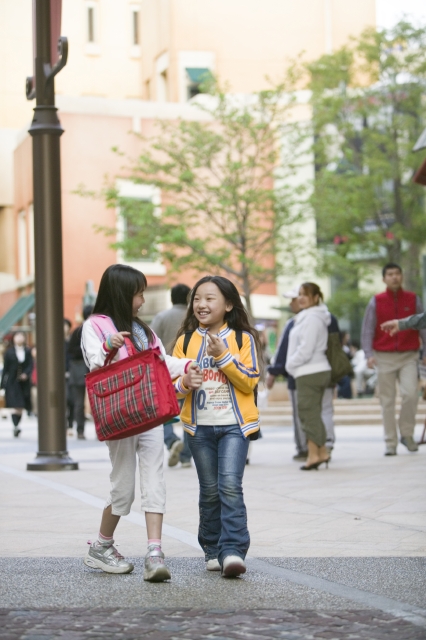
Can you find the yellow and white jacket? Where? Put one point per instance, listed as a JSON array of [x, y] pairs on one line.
[[241, 367]]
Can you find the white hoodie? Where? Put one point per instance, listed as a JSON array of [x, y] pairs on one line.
[[308, 342]]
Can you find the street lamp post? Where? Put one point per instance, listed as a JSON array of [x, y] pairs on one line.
[[46, 130]]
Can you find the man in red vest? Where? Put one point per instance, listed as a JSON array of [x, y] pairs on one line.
[[395, 356]]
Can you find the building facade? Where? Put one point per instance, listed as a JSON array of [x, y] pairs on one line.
[[130, 63]]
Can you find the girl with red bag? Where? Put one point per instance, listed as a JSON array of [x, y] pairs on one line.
[[221, 416], [114, 319]]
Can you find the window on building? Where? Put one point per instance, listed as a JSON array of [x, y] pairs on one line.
[[196, 76], [163, 93], [22, 245], [91, 24], [136, 230], [135, 27]]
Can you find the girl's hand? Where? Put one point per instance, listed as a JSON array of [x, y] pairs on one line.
[[193, 379], [215, 345], [23, 376], [117, 340], [391, 327]]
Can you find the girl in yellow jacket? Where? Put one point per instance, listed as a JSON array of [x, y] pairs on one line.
[[220, 415]]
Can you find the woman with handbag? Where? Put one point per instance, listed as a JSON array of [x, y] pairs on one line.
[[16, 379], [113, 321], [308, 364]]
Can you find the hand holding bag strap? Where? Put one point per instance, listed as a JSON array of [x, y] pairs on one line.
[[111, 355]]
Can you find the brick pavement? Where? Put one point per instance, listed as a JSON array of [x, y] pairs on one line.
[[196, 624]]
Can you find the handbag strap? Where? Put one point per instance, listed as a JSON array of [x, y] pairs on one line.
[[130, 351]]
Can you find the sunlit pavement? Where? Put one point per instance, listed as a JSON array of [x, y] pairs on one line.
[[335, 553]]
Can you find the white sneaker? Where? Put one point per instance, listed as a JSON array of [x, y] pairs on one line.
[[213, 565], [107, 558], [233, 566]]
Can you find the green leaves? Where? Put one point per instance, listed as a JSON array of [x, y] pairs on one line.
[[368, 111]]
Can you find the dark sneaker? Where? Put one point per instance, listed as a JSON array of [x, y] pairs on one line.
[[410, 443], [106, 558], [174, 453], [155, 569], [301, 455], [233, 566]]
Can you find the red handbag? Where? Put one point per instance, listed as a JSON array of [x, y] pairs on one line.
[[132, 395]]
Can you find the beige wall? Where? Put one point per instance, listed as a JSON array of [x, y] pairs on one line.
[[7, 235], [246, 39]]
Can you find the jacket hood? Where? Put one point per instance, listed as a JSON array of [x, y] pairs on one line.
[[320, 312]]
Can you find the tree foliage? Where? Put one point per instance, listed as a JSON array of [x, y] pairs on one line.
[[226, 204], [368, 111]]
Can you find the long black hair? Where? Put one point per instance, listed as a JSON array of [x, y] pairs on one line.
[[119, 283], [236, 319]]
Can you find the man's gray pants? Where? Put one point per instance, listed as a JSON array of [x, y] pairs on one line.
[[401, 366], [327, 415]]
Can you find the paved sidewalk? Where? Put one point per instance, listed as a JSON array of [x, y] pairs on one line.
[[337, 553]]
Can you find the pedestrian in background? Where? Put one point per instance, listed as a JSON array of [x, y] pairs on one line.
[[34, 381], [16, 379], [278, 368], [77, 375], [396, 356], [68, 394], [166, 325], [308, 364]]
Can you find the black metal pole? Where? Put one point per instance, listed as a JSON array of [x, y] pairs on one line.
[[46, 130]]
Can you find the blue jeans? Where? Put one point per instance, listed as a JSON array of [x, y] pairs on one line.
[[170, 438], [220, 455]]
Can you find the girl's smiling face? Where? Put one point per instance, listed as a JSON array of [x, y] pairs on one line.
[[210, 306], [138, 301]]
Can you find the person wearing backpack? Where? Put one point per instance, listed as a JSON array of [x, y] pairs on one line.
[[115, 317], [220, 416]]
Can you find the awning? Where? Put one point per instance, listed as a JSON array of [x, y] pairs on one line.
[[198, 74], [16, 313]]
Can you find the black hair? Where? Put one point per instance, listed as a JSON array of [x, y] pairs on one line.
[[15, 333], [87, 311], [356, 344], [390, 265], [311, 289], [180, 293], [68, 322], [236, 319], [119, 283]]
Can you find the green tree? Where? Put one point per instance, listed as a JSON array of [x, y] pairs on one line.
[[368, 111], [227, 205]]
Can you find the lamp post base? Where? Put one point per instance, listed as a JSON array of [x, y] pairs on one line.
[[54, 462]]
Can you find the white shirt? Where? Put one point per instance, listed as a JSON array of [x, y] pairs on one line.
[[307, 342], [20, 353], [94, 355], [214, 404]]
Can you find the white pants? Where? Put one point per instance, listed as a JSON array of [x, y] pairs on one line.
[[149, 448], [401, 366]]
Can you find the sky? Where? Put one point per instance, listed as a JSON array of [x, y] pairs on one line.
[[390, 11]]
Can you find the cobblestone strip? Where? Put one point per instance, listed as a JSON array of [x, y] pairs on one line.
[[196, 624]]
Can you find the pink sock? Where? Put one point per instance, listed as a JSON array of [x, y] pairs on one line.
[[154, 542], [104, 540]]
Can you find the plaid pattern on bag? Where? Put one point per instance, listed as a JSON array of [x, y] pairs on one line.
[[131, 396]]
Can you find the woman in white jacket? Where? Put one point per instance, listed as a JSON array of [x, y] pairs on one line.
[[308, 364]]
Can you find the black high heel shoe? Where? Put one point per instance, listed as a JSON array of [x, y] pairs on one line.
[[315, 465]]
